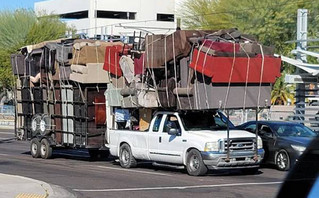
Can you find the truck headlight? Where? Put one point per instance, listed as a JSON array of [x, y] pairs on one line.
[[298, 148], [259, 143], [211, 146]]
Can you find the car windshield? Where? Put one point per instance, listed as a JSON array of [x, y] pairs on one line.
[[295, 130], [205, 121]]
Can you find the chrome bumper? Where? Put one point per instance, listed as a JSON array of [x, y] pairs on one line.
[[238, 159]]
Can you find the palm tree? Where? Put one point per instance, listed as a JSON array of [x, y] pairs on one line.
[[282, 92]]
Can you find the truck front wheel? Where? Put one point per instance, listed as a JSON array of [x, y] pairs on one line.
[[127, 159], [194, 164]]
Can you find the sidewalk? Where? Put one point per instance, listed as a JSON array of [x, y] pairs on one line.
[[12, 186]]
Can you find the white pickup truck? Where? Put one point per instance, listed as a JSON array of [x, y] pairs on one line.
[[197, 140]]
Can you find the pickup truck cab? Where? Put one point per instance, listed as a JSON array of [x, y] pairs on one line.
[[197, 140]]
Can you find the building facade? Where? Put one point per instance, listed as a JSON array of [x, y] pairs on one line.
[[107, 18]]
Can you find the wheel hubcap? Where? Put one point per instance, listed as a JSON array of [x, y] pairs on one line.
[[125, 156], [282, 161], [43, 149], [194, 163], [34, 148]]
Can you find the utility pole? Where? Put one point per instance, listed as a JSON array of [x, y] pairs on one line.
[[302, 30]]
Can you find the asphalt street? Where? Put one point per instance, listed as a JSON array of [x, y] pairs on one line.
[[74, 171]]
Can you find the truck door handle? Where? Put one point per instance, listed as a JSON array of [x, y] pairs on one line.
[[160, 139]]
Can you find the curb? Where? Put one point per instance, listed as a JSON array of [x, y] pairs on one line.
[[22, 188]]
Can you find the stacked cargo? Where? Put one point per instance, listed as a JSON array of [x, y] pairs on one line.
[[195, 70], [79, 88]]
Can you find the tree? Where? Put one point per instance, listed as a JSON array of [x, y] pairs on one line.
[[282, 93], [20, 28]]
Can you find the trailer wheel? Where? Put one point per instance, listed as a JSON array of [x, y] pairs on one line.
[[35, 148], [127, 159], [46, 149], [194, 164]]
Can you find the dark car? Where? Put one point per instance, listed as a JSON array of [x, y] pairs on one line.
[[283, 142]]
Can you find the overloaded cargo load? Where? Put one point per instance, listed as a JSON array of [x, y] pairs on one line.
[[66, 88], [195, 70], [60, 93]]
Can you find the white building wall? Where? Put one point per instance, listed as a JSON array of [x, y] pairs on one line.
[[145, 19]]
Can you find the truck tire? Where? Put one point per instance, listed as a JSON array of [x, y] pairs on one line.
[[127, 159], [46, 149], [35, 148], [194, 163]]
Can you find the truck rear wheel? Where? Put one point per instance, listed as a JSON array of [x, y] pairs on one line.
[[45, 149], [127, 159], [35, 148], [194, 164]]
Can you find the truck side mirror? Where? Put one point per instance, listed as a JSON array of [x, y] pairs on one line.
[[173, 131]]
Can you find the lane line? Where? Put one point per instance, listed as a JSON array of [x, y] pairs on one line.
[[134, 171], [6, 133], [176, 187], [4, 154]]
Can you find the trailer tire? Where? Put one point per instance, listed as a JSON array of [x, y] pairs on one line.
[[194, 163], [127, 159], [35, 148], [46, 149]]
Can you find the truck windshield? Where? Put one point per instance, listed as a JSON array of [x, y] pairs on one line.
[[205, 121]]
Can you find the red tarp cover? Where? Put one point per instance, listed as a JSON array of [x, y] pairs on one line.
[[219, 68], [221, 46], [112, 58]]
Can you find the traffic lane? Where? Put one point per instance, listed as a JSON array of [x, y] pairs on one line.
[[6, 134], [73, 169], [119, 183]]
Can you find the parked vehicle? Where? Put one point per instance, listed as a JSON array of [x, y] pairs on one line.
[[283, 142], [197, 140], [303, 179]]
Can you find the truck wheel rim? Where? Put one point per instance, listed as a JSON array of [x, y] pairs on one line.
[[34, 148], [43, 150], [194, 163], [282, 161], [125, 156]]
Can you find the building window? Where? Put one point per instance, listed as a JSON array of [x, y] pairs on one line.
[[115, 15], [165, 17], [75, 15]]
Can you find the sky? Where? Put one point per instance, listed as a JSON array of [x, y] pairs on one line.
[[14, 4]]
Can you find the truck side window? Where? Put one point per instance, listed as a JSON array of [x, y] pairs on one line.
[[157, 123], [171, 122]]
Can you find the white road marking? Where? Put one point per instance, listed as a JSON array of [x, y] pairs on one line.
[[176, 187], [4, 154], [133, 171], [6, 133], [7, 139]]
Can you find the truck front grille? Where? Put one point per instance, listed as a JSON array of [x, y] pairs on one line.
[[239, 144]]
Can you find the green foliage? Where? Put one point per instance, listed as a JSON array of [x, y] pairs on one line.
[[281, 92], [50, 28], [20, 28]]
